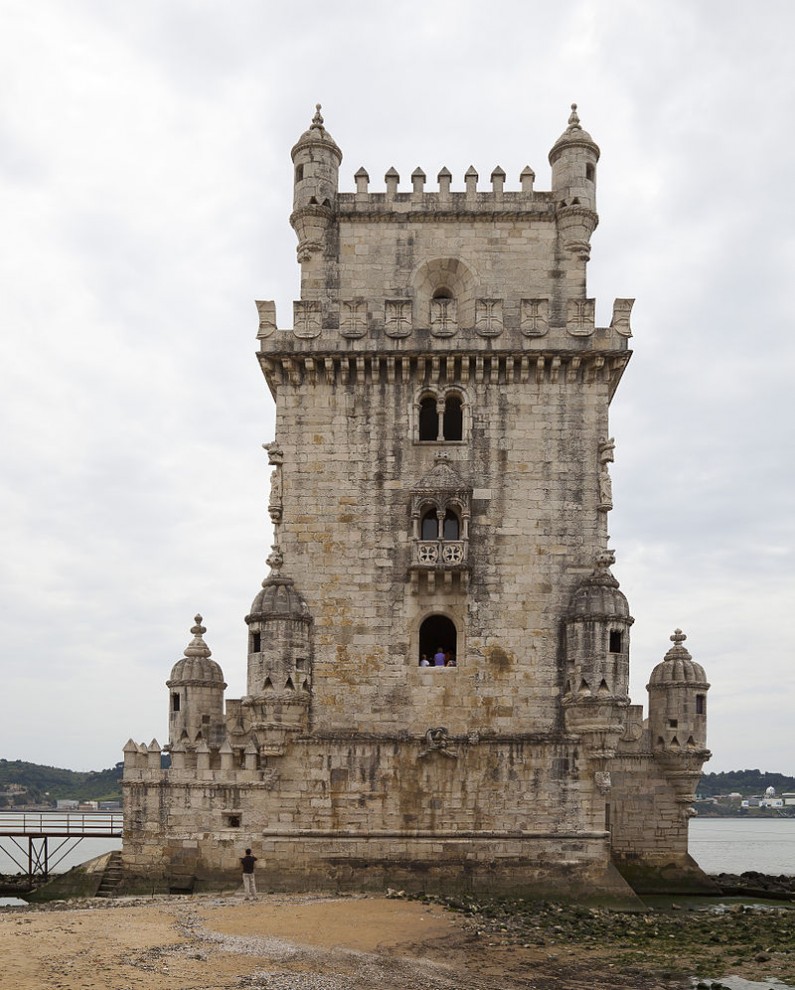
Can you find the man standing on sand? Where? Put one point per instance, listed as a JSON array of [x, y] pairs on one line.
[[249, 885]]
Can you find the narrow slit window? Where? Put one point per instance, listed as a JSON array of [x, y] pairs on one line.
[[256, 642], [175, 702], [701, 704], [615, 641]]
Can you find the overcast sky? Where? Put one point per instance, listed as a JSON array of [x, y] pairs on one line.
[[145, 190]]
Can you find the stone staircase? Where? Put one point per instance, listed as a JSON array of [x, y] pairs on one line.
[[112, 876]]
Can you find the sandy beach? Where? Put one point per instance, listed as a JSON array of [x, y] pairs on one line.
[[322, 942]]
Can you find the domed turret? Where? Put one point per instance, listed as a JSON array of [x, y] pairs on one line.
[[196, 686], [573, 159], [279, 626], [597, 636], [678, 702], [316, 159]]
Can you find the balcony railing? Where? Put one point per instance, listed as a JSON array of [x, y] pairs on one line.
[[440, 553]]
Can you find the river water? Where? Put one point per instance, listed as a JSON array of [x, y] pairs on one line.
[[718, 845]]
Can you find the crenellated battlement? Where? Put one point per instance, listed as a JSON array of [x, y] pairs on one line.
[[443, 198]]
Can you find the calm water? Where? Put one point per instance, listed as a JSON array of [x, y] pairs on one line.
[[718, 845], [734, 845]]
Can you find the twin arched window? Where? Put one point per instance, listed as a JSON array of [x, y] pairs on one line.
[[441, 419], [430, 526]]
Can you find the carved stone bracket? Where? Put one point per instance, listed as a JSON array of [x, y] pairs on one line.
[[437, 741]]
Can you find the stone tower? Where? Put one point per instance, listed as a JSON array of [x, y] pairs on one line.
[[438, 661]]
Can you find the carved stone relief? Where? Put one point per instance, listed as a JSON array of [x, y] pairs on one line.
[[488, 317], [444, 317], [606, 456], [307, 318], [534, 317], [353, 318], [267, 317], [622, 308], [580, 315], [397, 317]]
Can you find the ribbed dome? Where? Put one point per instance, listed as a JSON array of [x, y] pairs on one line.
[[599, 597], [196, 667], [678, 667], [279, 600], [573, 135], [317, 134]]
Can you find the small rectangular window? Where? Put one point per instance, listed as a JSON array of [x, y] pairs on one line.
[[673, 723], [299, 172], [701, 704], [615, 641], [175, 702], [256, 643]]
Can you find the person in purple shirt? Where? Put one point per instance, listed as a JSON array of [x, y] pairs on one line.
[[439, 657]]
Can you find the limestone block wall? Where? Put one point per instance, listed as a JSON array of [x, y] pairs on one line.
[[336, 808], [531, 458]]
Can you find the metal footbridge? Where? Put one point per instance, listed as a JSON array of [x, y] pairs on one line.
[[37, 841]]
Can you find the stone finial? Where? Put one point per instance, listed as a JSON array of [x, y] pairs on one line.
[[498, 180], [275, 561], [471, 180], [574, 120], [197, 647], [317, 120], [678, 637], [362, 180], [417, 180], [527, 178], [392, 178], [444, 178]]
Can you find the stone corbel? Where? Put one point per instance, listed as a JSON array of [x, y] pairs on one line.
[[437, 741]]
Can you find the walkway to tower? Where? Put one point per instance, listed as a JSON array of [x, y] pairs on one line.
[[37, 841]]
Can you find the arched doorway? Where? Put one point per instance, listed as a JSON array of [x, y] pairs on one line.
[[438, 634]]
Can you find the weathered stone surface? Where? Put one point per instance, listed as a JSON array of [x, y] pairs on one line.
[[440, 489]]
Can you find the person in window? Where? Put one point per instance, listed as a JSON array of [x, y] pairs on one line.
[[438, 657], [424, 662]]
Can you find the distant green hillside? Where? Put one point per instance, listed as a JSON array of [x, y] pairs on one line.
[[30, 783], [745, 782]]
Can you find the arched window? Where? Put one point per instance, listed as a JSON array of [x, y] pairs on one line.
[[429, 529], [429, 418], [453, 420], [438, 637], [452, 528], [442, 293]]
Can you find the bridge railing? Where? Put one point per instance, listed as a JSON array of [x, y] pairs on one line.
[[62, 823]]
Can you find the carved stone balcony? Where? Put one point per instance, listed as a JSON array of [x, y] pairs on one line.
[[439, 565], [440, 553]]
